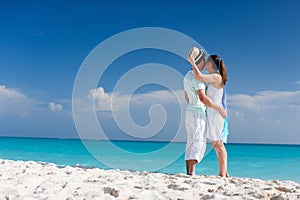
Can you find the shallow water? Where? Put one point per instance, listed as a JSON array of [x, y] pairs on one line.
[[245, 160]]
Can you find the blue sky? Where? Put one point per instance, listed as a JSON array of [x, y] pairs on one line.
[[43, 44]]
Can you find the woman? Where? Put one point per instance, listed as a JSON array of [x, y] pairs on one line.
[[195, 117], [216, 80]]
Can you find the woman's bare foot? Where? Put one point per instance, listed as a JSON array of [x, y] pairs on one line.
[[227, 175], [224, 175]]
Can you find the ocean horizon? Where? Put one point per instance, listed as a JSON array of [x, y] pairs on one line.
[[263, 161]]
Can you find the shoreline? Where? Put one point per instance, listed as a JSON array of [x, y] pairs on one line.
[[161, 141], [39, 180]]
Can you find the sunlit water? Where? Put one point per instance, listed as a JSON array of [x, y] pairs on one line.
[[255, 161]]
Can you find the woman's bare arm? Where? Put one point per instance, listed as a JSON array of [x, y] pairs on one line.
[[209, 103], [210, 78]]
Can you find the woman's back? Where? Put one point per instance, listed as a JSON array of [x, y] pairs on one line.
[[215, 94]]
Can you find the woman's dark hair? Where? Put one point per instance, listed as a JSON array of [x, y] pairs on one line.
[[218, 64]]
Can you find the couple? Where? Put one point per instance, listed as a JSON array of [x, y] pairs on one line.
[[205, 114]]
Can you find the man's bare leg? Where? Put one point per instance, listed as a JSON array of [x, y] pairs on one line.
[[190, 166]]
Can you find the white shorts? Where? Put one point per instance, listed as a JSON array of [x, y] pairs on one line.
[[195, 124]]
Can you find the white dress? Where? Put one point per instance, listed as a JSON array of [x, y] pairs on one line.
[[215, 122]]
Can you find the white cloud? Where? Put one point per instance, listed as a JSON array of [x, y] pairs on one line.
[[298, 82], [24, 116], [102, 99], [14, 102], [265, 100], [267, 116], [55, 107], [238, 114], [116, 101], [141, 115]]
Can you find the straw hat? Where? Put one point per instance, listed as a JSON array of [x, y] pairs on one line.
[[194, 52]]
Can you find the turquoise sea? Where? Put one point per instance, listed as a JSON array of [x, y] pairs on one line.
[[244, 160]]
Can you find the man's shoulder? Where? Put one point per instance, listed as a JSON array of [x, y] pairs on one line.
[[191, 80], [189, 75]]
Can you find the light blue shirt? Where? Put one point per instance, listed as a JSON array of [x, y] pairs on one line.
[[191, 85]]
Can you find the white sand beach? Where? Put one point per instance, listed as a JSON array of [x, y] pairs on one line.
[[33, 180]]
